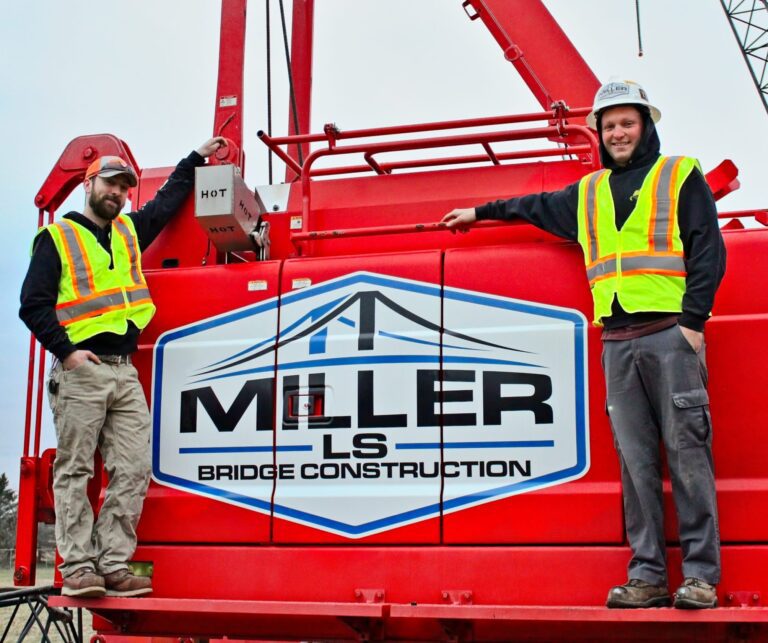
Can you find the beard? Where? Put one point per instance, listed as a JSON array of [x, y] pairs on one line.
[[104, 208]]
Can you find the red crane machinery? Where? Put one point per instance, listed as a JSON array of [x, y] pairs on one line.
[[360, 432]]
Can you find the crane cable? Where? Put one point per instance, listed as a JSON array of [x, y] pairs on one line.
[[639, 35], [269, 90], [290, 81]]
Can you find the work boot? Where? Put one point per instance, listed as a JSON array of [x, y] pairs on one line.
[[695, 594], [124, 583], [638, 593], [83, 583]]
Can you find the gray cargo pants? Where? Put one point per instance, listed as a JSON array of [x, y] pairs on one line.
[[656, 389], [99, 406]]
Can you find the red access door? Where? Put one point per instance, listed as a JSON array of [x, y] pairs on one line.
[[357, 452], [537, 465], [213, 435]]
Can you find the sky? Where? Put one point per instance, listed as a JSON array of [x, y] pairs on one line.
[[145, 71]]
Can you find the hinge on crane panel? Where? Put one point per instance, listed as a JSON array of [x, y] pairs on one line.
[[457, 596], [367, 629], [369, 595], [457, 630], [742, 599]]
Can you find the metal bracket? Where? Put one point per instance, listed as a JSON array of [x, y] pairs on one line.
[[559, 114], [260, 239], [367, 629], [457, 596], [471, 16], [332, 133], [369, 595], [274, 197], [742, 599], [457, 630]]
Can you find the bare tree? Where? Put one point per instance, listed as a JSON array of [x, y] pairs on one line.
[[7, 514]]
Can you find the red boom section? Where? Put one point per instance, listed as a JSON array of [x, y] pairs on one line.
[[69, 170], [300, 107], [536, 45], [228, 119]]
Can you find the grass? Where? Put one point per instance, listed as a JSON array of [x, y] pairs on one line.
[[44, 577]]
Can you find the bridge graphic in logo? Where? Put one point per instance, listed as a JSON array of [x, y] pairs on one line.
[[378, 402]]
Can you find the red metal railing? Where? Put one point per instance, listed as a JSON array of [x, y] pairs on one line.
[[35, 393], [376, 231], [332, 135], [761, 216], [558, 130], [495, 157]]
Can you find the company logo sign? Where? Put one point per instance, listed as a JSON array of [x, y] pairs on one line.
[[376, 401]]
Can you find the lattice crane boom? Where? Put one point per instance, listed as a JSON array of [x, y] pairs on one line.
[[749, 21]]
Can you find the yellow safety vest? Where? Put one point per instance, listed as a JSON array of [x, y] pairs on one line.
[[94, 298], [642, 264]]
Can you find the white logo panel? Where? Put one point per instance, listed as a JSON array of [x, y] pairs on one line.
[[526, 402], [212, 432], [368, 358], [366, 375]]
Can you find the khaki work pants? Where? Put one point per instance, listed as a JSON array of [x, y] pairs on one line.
[[99, 406]]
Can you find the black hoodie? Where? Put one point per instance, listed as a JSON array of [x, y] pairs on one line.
[[39, 292], [556, 212]]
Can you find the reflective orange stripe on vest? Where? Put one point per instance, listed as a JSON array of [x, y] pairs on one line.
[[660, 258], [87, 303], [606, 267], [100, 303], [80, 271], [138, 295], [592, 213], [670, 264], [76, 310], [128, 239], [663, 204]]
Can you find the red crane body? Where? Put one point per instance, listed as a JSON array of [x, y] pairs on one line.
[[351, 438]]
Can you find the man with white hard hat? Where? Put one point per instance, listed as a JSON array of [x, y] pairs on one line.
[[654, 265]]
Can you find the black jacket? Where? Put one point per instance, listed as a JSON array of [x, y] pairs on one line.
[[556, 212], [39, 292]]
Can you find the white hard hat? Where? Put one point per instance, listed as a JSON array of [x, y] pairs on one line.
[[620, 92]]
